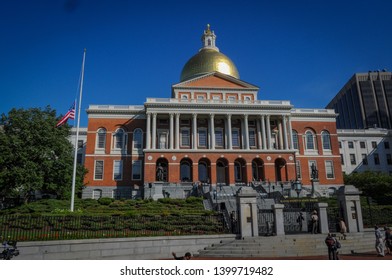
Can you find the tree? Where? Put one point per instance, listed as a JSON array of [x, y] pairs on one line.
[[372, 184], [35, 155]]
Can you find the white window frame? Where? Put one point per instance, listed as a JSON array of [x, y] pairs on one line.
[[137, 144], [204, 131], [235, 138], [100, 145], [95, 170], [216, 132], [188, 130], [252, 136], [117, 164], [136, 166], [294, 134], [308, 143], [123, 141], [329, 170], [326, 140]]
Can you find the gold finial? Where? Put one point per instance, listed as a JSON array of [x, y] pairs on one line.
[[208, 31]]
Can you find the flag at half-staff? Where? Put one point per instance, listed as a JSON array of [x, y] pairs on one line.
[[69, 115]]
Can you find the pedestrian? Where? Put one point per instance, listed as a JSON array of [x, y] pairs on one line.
[[379, 242], [187, 256], [332, 245], [343, 228], [314, 218]]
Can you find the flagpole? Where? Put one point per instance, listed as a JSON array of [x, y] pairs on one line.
[[77, 134]]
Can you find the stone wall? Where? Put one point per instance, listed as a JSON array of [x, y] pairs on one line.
[[140, 248]]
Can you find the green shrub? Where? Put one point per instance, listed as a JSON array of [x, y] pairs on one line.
[[105, 200]]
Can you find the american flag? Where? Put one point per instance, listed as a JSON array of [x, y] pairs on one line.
[[69, 115]]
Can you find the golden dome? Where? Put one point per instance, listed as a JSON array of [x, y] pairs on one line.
[[208, 60]]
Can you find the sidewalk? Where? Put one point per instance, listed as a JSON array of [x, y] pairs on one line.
[[355, 256]]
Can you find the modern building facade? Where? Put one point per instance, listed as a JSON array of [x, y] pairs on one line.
[[365, 101], [365, 150], [214, 130]]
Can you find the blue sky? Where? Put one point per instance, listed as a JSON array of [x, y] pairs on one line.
[[302, 51]]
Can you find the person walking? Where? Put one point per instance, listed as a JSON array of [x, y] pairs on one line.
[[379, 242], [314, 217], [343, 228], [331, 243], [388, 240]]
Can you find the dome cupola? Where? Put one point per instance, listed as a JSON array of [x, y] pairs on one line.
[[208, 60]]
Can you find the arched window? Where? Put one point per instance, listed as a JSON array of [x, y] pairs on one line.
[[137, 139], [203, 172], [309, 140], [326, 139], [119, 139], [295, 140], [101, 138], [237, 171], [185, 171]]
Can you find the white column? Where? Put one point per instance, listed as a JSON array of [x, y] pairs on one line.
[[154, 130], [280, 135], [171, 132], [268, 132], [194, 128], [228, 132], [291, 134], [285, 142], [246, 131], [177, 131], [212, 132], [260, 146], [263, 132], [148, 131]]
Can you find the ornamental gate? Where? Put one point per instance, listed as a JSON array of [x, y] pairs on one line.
[[294, 223], [265, 220]]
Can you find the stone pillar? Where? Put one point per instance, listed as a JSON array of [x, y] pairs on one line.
[[268, 133], [194, 131], [247, 214], [291, 134], [177, 131], [279, 220], [171, 132], [212, 132], [323, 217], [246, 132], [154, 130], [263, 132], [148, 132], [228, 132], [348, 199], [285, 141], [260, 143]]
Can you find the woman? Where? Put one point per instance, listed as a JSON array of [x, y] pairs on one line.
[[343, 228]]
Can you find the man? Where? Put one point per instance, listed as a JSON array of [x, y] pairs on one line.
[[330, 241], [187, 256], [315, 220], [379, 242]]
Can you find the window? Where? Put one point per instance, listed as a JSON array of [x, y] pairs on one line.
[[235, 137], [137, 139], [80, 144], [341, 159], [309, 139], [299, 173], [326, 139], [219, 137], [352, 159], [364, 159], [231, 99], [329, 169], [374, 144], [350, 145], [184, 97], [376, 159], [101, 138], [98, 170], [216, 98], [136, 170], [386, 145], [252, 138], [202, 137], [185, 137], [117, 170], [389, 159], [200, 97], [119, 140], [295, 140], [362, 144], [185, 171]]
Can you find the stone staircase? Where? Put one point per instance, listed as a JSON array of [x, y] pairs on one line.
[[287, 246]]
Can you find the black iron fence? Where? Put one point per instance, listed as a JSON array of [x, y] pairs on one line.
[[30, 227]]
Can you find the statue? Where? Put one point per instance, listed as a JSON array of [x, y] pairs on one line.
[[160, 172], [314, 172]]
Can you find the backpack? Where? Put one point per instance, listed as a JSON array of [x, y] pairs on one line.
[[337, 244]]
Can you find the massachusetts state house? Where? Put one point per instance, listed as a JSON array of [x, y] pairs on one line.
[[214, 131]]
